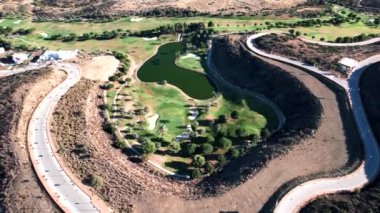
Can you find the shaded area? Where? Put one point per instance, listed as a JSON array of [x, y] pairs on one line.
[[162, 67], [300, 107], [368, 199]]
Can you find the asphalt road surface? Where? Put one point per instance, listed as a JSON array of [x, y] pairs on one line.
[[60, 187]]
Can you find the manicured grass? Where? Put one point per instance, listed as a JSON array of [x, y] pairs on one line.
[[126, 24], [330, 33], [136, 47], [249, 120], [167, 102], [191, 63]]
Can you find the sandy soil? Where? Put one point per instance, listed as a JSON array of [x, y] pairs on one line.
[[208, 5], [99, 68], [136, 6], [26, 194]]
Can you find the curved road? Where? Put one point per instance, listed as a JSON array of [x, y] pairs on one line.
[[67, 194], [368, 170]]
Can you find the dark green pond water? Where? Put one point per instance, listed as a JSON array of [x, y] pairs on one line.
[[162, 67]]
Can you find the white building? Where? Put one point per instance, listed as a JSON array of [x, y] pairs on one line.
[[347, 64], [58, 55]]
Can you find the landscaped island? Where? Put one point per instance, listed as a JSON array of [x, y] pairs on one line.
[[186, 135]]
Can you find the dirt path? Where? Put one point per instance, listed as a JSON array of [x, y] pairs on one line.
[[26, 194], [327, 151]]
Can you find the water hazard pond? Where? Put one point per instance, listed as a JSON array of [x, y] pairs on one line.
[[161, 67]]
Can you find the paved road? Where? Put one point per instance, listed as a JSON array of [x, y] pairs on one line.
[[52, 175], [369, 169], [4, 73]]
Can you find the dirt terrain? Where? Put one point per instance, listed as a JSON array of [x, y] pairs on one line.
[[104, 9], [368, 199], [20, 94], [323, 57], [99, 68]]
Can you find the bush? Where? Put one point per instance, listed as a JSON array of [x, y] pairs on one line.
[[96, 181], [225, 143], [113, 78], [174, 147], [108, 127], [234, 115], [196, 173], [149, 148], [190, 149], [222, 159], [207, 148], [102, 106], [108, 86], [198, 161], [234, 153], [222, 119], [209, 168], [121, 144]]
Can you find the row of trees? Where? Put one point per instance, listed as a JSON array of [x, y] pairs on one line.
[[361, 37], [108, 35]]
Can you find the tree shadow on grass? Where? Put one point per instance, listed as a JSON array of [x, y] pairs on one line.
[[181, 167]]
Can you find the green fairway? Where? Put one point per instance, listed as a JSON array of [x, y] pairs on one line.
[[165, 101], [249, 120], [191, 62]]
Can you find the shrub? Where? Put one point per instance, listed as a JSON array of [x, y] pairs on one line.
[[108, 127], [196, 173], [234, 153], [225, 143], [149, 148], [102, 106], [209, 168], [121, 144], [234, 115], [222, 159], [190, 149], [113, 78], [174, 147], [222, 119], [207, 148], [108, 86], [198, 161], [96, 181]]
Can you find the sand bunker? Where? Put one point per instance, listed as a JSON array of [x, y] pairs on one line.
[[190, 55], [150, 39], [136, 19], [152, 121]]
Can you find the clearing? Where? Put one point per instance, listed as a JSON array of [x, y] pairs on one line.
[[99, 68]]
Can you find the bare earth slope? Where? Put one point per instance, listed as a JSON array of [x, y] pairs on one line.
[[369, 198], [98, 8], [20, 189]]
